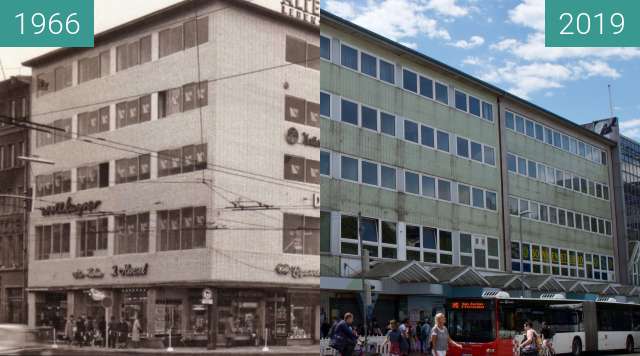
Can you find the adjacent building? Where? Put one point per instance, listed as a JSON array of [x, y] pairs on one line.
[[453, 186], [185, 187], [14, 177]]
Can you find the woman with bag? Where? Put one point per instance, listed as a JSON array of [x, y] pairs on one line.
[[393, 339], [529, 345]]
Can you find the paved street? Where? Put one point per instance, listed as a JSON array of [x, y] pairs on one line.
[[245, 351]]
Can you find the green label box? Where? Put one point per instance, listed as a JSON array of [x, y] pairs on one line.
[[592, 23], [46, 23]]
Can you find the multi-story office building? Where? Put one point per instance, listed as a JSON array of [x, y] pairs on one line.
[[186, 158], [626, 172], [440, 176], [14, 105]]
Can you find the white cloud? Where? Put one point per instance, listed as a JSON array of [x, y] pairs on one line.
[[597, 69], [630, 128], [448, 8], [341, 8], [402, 19], [473, 42], [529, 13], [472, 61], [411, 45]]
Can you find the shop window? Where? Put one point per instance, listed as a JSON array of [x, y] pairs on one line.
[[52, 241], [92, 237], [301, 234], [131, 233], [302, 316], [181, 229]]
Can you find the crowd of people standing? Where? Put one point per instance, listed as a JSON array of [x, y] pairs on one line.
[[87, 331]]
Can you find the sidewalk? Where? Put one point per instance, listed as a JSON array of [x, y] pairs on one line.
[[248, 350]]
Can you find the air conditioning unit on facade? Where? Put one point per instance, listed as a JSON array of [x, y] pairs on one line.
[[552, 296]]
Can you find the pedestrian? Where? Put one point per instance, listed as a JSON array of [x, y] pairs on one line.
[[102, 330], [404, 340], [88, 331], [547, 337], [80, 329], [68, 329], [529, 344], [425, 333], [344, 337], [136, 329], [393, 339], [113, 332], [440, 338], [123, 333]]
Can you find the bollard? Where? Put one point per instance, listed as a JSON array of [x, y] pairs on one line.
[[266, 337], [55, 344], [169, 349]]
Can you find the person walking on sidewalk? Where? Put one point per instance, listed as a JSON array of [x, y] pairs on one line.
[[68, 329], [136, 329], [113, 332], [393, 339], [440, 338], [344, 337]]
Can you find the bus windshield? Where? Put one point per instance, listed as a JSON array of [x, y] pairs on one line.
[[471, 321]]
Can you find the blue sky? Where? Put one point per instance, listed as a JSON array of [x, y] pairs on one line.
[[502, 42]]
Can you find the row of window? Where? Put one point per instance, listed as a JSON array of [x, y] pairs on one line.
[[301, 169], [379, 121], [423, 243], [555, 138], [11, 206], [533, 258], [301, 111], [303, 53], [179, 229], [9, 155], [558, 216], [372, 173], [557, 177], [378, 68], [301, 234], [130, 112], [181, 160], [11, 250], [128, 55], [16, 109]]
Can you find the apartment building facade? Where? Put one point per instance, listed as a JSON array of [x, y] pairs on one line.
[[185, 183], [430, 170], [14, 105]]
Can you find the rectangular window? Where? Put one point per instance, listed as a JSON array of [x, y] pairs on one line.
[[325, 48], [388, 177], [325, 105], [478, 198], [443, 141], [426, 87], [510, 120], [171, 41], [442, 93], [522, 166], [427, 137], [349, 112], [349, 169], [169, 102], [428, 186], [476, 151], [520, 124], [409, 81], [511, 163], [444, 190], [553, 215], [491, 200], [530, 128], [369, 172], [181, 229], [369, 118], [474, 106], [348, 56], [410, 131], [464, 194], [412, 183], [532, 169], [539, 132], [92, 237], [387, 124], [325, 163], [489, 156], [301, 234], [513, 206], [461, 101], [387, 72], [369, 64], [462, 147], [63, 77]]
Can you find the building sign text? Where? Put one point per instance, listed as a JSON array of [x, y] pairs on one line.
[[129, 270], [69, 207], [305, 10], [295, 271]]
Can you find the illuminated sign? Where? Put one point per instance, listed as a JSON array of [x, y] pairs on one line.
[[468, 306]]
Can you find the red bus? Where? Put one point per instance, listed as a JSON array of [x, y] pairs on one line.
[[489, 326]]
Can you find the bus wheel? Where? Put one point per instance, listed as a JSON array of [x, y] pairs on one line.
[[630, 347], [576, 347]]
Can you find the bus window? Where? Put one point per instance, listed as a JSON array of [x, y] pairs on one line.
[[471, 325]]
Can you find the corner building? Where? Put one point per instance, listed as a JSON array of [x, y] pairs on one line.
[[435, 173], [173, 173]]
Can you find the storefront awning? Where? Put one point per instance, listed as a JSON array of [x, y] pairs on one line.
[[401, 272], [571, 285], [600, 288], [506, 281], [459, 276], [629, 291], [543, 283]]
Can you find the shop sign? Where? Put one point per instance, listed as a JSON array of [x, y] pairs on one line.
[[93, 273], [69, 207], [207, 296], [295, 271], [129, 270], [293, 137], [305, 10]]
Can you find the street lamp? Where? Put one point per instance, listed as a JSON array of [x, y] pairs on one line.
[[521, 215], [36, 159]]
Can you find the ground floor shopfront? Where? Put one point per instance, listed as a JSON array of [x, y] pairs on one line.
[[239, 316], [11, 297]]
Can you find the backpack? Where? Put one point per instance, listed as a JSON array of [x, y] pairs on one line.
[[538, 340], [332, 330]]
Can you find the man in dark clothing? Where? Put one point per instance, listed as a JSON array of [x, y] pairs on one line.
[[113, 331], [344, 337], [80, 330], [324, 329], [102, 326]]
